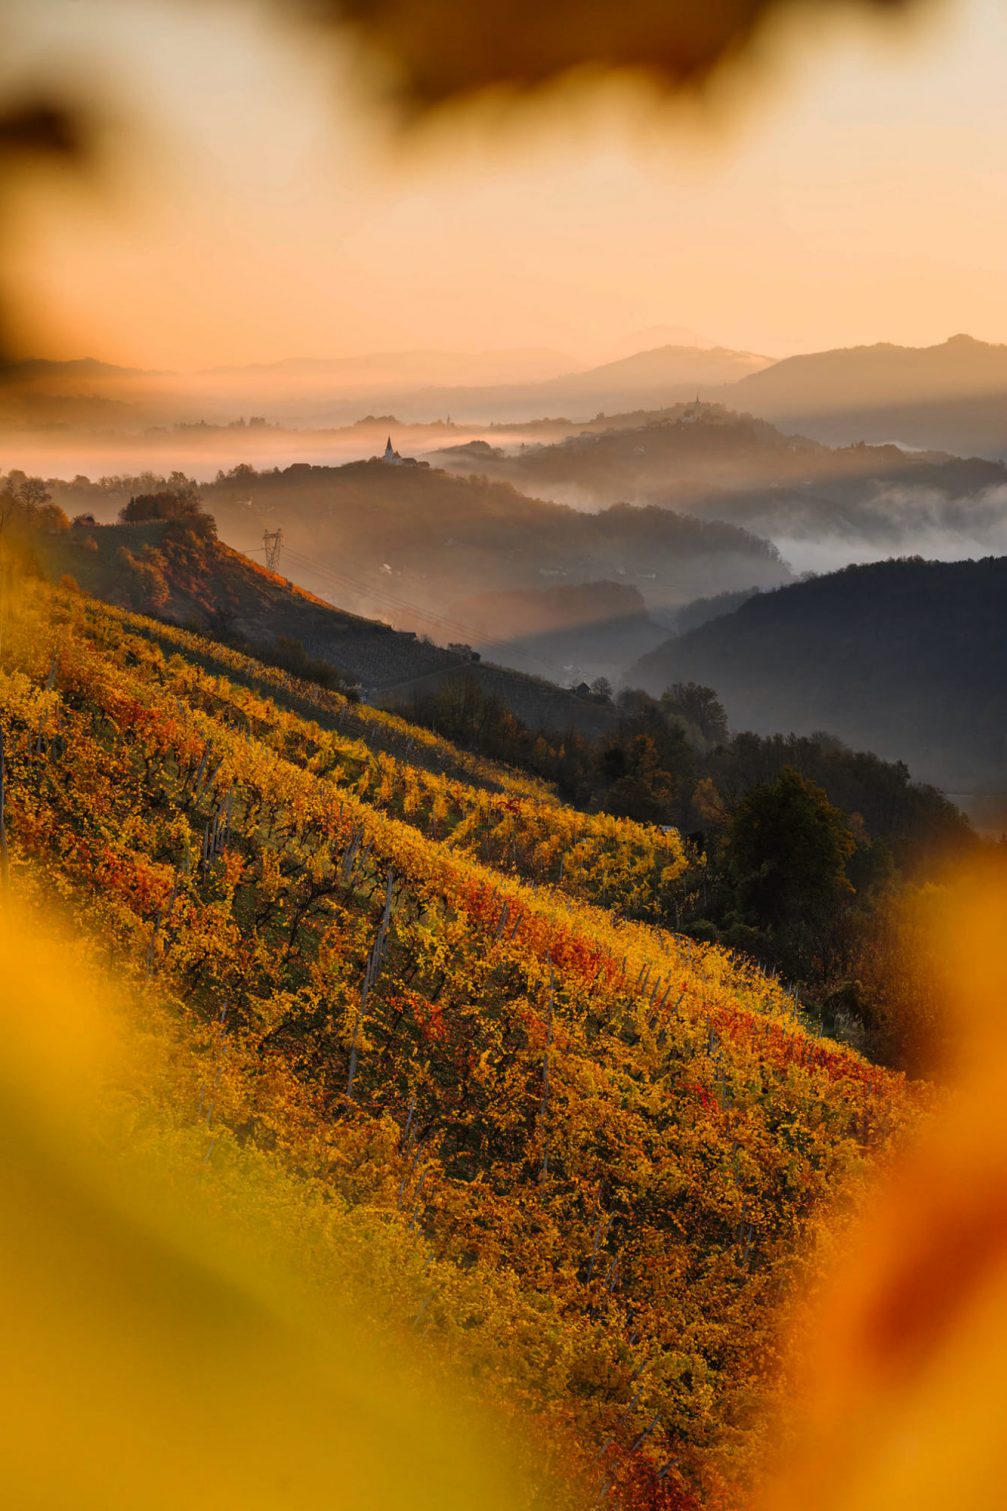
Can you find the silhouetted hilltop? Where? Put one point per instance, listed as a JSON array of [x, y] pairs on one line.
[[906, 658], [50, 370]]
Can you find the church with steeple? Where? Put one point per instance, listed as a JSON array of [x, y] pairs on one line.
[[391, 458]]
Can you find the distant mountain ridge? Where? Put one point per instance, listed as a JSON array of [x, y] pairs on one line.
[[37, 369], [960, 367], [645, 380], [661, 365], [422, 366], [518, 384], [951, 396]]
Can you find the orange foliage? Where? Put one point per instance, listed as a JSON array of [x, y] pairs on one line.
[[434, 989]]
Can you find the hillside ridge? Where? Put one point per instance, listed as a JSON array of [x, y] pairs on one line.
[[198, 581]]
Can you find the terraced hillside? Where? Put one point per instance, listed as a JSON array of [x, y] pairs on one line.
[[417, 980]]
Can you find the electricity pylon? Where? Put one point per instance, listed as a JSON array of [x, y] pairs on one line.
[[272, 541]]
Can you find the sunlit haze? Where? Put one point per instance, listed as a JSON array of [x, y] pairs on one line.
[[260, 206]]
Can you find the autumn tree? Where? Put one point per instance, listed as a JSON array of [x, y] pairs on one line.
[[639, 787], [699, 707]]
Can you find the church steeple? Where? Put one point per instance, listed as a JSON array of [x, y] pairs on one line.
[[389, 455]]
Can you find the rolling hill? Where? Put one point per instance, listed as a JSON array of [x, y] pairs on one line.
[[408, 543], [820, 505], [189, 578], [906, 658]]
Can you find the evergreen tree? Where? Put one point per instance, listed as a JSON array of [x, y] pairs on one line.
[[786, 852]]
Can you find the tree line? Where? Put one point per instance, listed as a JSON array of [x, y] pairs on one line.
[[802, 852]]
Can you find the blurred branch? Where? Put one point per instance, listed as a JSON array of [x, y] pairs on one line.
[[42, 128], [440, 50], [35, 131]]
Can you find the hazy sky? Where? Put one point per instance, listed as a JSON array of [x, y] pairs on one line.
[[258, 209]]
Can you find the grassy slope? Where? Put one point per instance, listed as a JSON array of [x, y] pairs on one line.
[[206, 584], [596, 1147]]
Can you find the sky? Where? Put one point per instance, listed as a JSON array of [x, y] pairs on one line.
[[255, 204]]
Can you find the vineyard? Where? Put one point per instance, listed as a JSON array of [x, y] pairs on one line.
[[593, 1150]]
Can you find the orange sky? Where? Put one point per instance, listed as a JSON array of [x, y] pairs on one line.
[[850, 196]]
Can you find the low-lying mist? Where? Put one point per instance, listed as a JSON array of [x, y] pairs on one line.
[[905, 521], [201, 450]]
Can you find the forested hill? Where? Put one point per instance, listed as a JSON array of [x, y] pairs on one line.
[[419, 540], [715, 463], [907, 658]]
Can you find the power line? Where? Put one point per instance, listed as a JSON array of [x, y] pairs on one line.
[[389, 600], [381, 595], [340, 581]]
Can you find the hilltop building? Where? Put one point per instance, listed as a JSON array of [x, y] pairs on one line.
[[391, 458]]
